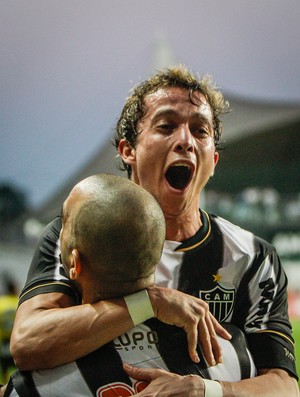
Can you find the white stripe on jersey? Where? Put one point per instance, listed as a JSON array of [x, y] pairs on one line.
[[230, 368], [138, 347], [265, 272], [167, 271], [57, 274], [63, 381]]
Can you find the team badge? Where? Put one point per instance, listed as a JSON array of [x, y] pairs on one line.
[[220, 301]]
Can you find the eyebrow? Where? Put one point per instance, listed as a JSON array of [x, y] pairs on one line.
[[171, 112], [165, 112]]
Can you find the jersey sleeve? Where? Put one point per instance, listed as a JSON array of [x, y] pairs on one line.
[[46, 274], [267, 324]]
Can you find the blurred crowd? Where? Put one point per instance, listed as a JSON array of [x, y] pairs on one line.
[[8, 306], [256, 206]]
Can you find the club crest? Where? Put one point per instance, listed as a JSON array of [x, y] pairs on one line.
[[220, 301]]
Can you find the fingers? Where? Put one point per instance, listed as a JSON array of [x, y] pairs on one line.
[[206, 335], [221, 331], [214, 350], [216, 328], [192, 314], [201, 330], [145, 374], [192, 339], [208, 330]]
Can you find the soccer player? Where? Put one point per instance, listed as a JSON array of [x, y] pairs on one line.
[[111, 239], [168, 136]]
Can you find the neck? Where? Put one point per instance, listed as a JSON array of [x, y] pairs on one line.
[[180, 228], [93, 292]]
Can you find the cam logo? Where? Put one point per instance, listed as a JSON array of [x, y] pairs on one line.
[[220, 301]]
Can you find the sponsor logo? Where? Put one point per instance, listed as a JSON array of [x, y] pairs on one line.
[[136, 340], [267, 288], [289, 354], [220, 301]]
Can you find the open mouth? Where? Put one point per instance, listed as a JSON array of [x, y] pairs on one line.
[[179, 176]]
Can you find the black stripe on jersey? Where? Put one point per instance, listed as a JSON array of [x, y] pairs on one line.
[[239, 343], [9, 388], [24, 384], [242, 301], [54, 286], [277, 323], [268, 354], [46, 274], [200, 263], [106, 358], [173, 348], [200, 237]]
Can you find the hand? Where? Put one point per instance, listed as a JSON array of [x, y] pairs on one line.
[[192, 314], [166, 384]]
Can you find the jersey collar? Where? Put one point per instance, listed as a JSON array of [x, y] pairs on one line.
[[200, 237]]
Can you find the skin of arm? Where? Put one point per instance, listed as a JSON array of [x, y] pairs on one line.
[[270, 383], [47, 326], [49, 331]]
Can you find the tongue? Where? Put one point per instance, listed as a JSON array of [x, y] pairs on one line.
[[178, 177]]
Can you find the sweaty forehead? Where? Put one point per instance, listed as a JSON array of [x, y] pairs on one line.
[[177, 98]]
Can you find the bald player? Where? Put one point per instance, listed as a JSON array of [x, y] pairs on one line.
[[111, 239]]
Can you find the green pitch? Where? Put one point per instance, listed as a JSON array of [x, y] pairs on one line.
[[296, 335]]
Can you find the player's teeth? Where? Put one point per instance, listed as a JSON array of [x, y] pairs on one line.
[[181, 165]]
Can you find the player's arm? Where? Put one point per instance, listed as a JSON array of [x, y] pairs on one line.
[[49, 331], [270, 383]]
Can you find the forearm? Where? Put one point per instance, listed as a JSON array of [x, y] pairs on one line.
[[52, 337], [49, 331], [273, 383]]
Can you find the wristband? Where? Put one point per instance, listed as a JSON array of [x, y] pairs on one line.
[[212, 388], [139, 306]]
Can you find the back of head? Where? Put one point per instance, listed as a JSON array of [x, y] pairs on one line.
[[119, 231], [176, 76]]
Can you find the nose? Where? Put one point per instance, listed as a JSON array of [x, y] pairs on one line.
[[184, 140]]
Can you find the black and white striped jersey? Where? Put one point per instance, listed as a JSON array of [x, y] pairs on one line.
[[238, 274], [153, 345]]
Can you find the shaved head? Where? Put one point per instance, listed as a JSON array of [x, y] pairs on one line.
[[118, 229]]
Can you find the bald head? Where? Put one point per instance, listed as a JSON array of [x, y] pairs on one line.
[[118, 230]]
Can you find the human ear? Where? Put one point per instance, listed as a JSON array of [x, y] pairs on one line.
[[127, 152], [75, 268], [216, 159]]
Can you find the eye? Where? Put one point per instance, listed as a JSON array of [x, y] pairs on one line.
[[166, 127], [201, 132]]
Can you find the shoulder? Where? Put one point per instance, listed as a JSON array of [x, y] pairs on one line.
[[53, 228], [236, 236]]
